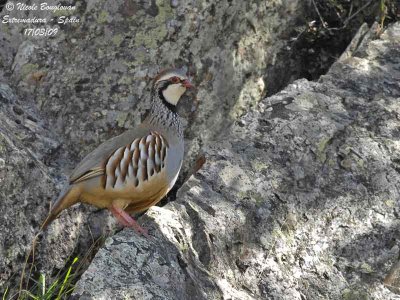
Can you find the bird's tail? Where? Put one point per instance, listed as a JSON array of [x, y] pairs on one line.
[[66, 199]]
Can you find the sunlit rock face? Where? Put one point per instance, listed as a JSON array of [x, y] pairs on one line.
[[299, 200], [66, 93]]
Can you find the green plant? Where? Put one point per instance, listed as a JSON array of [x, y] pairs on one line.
[[34, 285], [59, 289], [382, 12]]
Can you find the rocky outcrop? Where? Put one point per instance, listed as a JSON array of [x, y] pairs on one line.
[[21, 166], [299, 201], [101, 67], [63, 95], [29, 182]]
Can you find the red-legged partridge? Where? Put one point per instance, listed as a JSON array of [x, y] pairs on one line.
[[133, 171]]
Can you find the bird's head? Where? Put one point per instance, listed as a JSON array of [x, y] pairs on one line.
[[171, 84]]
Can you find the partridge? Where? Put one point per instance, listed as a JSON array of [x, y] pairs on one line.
[[135, 170]]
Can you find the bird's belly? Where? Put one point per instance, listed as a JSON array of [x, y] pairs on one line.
[[140, 197]]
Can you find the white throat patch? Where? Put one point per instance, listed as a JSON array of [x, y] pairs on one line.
[[173, 93]]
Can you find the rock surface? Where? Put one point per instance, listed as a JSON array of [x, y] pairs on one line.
[[61, 96], [28, 186], [102, 66], [299, 201]]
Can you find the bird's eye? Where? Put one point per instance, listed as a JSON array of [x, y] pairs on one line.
[[175, 79]]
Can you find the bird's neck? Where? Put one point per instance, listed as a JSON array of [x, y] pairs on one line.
[[163, 115]]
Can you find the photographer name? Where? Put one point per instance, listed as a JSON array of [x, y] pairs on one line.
[[44, 6]]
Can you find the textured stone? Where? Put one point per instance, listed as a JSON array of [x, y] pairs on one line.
[[104, 63], [299, 201], [28, 185], [66, 94]]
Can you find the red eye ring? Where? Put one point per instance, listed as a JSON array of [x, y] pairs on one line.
[[175, 79]]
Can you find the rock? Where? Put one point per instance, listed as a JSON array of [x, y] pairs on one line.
[[24, 146], [299, 201], [29, 182], [67, 93], [105, 63]]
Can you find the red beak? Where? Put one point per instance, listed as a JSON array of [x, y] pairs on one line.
[[187, 84]]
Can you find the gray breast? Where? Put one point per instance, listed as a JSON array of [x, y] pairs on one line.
[[174, 158]]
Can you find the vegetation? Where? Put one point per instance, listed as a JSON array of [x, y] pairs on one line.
[[38, 286], [60, 288]]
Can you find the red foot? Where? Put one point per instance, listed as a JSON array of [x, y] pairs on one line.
[[126, 220]]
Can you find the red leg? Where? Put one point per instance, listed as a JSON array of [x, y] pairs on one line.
[[126, 220]]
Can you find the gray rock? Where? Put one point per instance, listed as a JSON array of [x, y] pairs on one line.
[[299, 201], [101, 66], [21, 166], [28, 185], [63, 95]]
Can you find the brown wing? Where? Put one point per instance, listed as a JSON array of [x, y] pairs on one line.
[[93, 164]]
